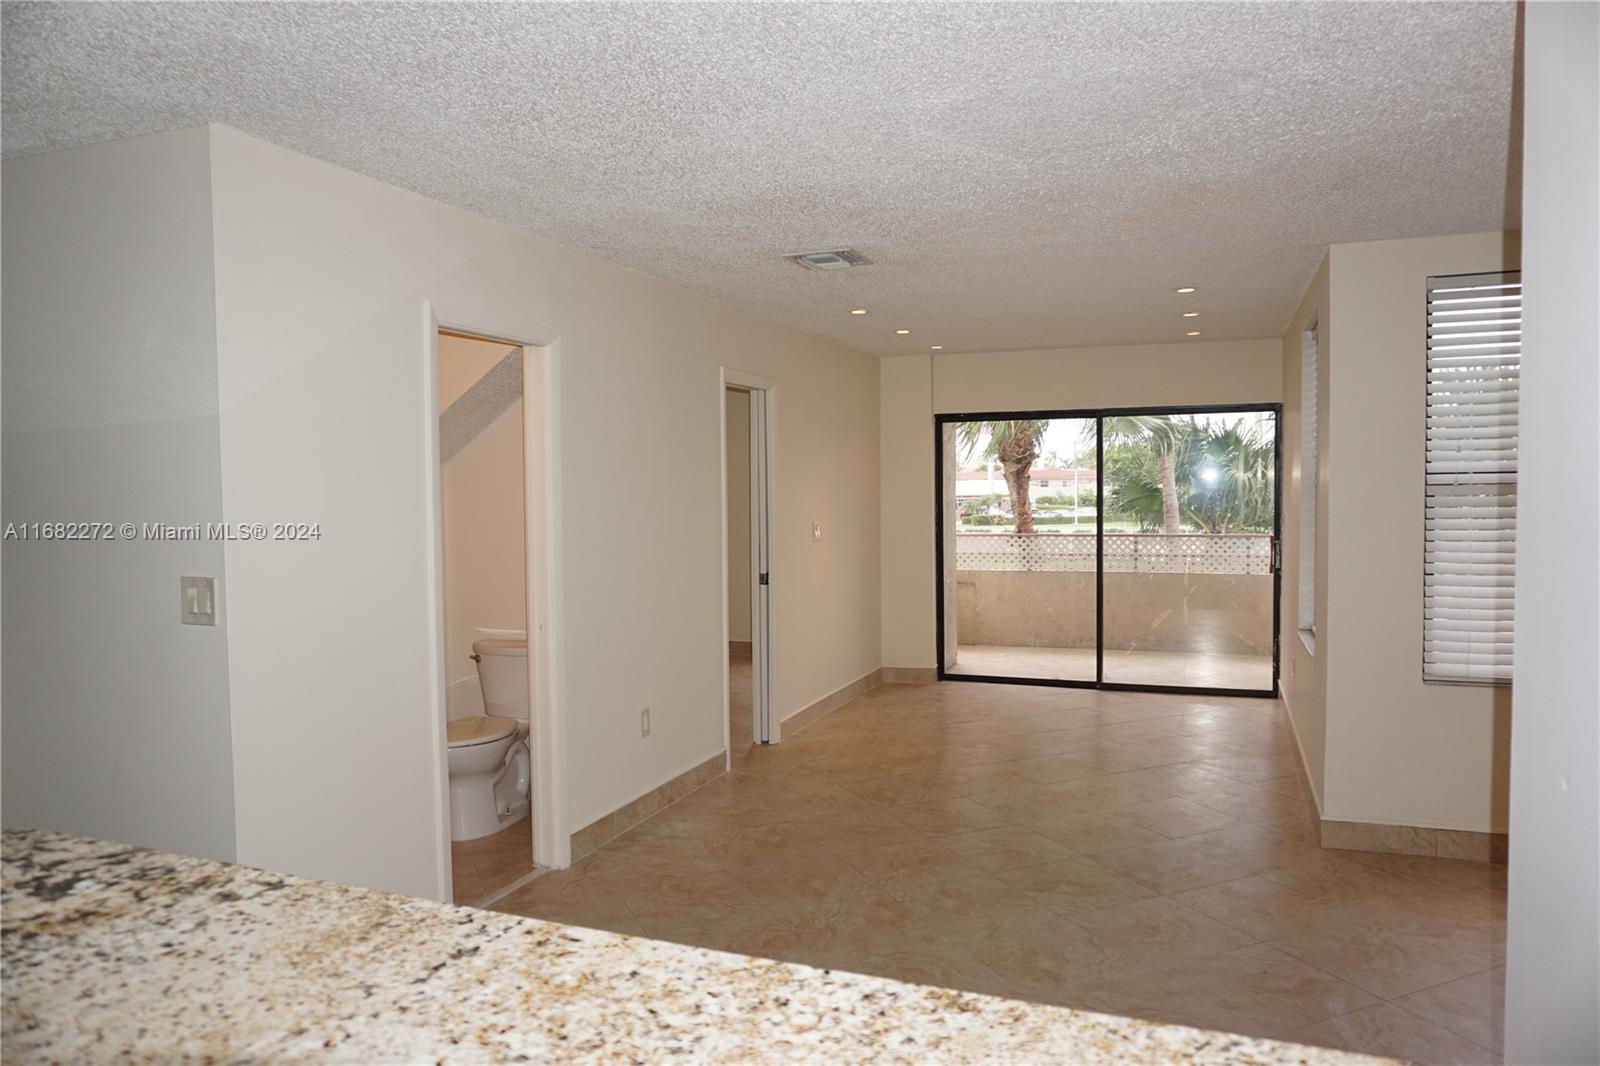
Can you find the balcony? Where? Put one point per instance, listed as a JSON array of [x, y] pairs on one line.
[[1190, 609]]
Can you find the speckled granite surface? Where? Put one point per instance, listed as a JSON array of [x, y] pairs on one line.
[[112, 952]]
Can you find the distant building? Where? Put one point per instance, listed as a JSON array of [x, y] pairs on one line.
[[1042, 481]]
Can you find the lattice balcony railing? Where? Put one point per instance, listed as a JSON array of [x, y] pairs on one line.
[[1139, 553]]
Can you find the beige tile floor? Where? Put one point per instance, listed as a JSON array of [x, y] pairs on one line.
[[1190, 669], [481, 867], [1138, 854]]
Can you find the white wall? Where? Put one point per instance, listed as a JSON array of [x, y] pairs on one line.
[[738, 404], [913, 388], [321, 275], [116, 715], [1399, 751], [484, 525], [1552, 984]]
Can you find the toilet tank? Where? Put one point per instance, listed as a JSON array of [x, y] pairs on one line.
[[503, 675]]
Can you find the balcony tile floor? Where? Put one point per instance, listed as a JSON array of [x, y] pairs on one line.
[[1189, 669], [1147, 855]]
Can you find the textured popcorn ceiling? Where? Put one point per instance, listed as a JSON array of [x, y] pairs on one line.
[[1021, 175]]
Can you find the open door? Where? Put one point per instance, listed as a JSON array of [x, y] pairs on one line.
[[761, 570], [747, 480]]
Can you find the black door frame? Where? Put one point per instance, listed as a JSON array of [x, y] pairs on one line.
[[1099, 415]]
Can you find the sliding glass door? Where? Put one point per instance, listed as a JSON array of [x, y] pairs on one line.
[[1120, 548], [1190, 544], [1020, 548]]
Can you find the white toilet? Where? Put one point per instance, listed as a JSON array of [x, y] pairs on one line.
[[489, 752]]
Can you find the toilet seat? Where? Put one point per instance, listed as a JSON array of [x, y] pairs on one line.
[[478, 729]]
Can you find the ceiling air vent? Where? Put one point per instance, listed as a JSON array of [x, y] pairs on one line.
[[836, 260]]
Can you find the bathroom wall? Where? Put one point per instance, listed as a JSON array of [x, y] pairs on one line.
[[116, 715], [321, 275], [484, 513], [738, 515]]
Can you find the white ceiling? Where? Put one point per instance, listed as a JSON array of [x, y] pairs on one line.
[[1023, 176]]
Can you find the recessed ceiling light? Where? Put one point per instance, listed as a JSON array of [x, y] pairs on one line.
[[935, 347], [1191, 314], [1192, 333], [902, 332], [859, 311], [1185, 290]]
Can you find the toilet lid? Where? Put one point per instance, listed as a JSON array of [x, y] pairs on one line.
[[478, 729], [498, 646]]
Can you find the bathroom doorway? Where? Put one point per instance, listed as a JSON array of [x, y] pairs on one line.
[[483, 504], [493, 490], [747, 412]]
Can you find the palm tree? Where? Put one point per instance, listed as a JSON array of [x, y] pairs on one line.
[[1223, 476], [1230, 477], [1015, 444], [1165, 437]]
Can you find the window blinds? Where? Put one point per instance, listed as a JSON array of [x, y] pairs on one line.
[[1308, 480], [1470, 496]]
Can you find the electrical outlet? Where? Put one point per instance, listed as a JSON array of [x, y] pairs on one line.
[[644, 722], [816, 531]]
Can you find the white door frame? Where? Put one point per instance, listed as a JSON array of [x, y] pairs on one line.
[[546, 613], [763, 439]]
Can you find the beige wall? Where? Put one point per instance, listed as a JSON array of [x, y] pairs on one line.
[[1302, 675], [484, 525], [912, 388], [905, 394], [321, 278], [1397, 751], [738, 404], [462, 362], [1126, 375]]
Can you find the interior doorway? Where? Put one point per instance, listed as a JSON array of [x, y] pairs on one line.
[[1120, 548], [483, 508], [495, 598], [747, 415], [741, 612]]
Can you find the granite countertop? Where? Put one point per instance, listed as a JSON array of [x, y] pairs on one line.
[[118, 952]]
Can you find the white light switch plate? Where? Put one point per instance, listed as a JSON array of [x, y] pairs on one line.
[[199, 602]]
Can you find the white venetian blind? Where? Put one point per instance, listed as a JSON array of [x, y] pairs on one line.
[[1470, 516]]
